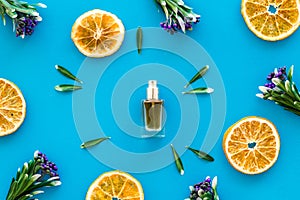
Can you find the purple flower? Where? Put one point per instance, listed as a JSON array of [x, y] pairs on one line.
[[25, 24], [46, 167], [278, 73], [204, 189]]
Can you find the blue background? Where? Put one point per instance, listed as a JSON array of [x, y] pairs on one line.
[[243, 60]]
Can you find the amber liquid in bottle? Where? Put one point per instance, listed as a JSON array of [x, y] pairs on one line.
[[153, 108], [153, 114]]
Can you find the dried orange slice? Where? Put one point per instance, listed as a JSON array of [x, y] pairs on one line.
[[271, 20], [12, 107], [115, 185], [252, 145], [98, 33]]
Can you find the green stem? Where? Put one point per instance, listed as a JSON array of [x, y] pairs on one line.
[[293, 110], [283, 102], [288, 107]]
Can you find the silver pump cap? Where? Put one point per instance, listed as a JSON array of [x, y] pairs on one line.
[[152, 90]]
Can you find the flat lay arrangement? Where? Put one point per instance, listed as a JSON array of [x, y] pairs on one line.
[[178, 99]]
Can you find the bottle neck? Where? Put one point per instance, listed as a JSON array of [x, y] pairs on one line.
[[152, 93]]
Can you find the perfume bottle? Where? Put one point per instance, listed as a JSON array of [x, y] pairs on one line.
[[153, 108]]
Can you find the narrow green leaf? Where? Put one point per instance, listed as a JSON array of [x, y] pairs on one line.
[[187, 8], [179, 2], [32, 179], [178, 162], [11, 13], [2, 13], [67, 88], [173, 6], [201, 154], [295, 91], [3, 19], [21, 183], [264, 89], [93, 142], [290, 74], [200, 90], [295, 111], [41, 5], [181, 23], [163, 5], [67, 73], [279, 83], [287, 86], [198, 75], [297, 104], [139, 39], [25, 168], [18, 174], [206, 196], [260, 95], [37, 192], [25, 197], [12, 188]]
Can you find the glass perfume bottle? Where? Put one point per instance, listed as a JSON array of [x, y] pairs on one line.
[[153, 108]]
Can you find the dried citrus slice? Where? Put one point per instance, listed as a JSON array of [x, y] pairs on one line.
[[271, 20], [12, 107], [252, 145], [98, 33], [115, 185]]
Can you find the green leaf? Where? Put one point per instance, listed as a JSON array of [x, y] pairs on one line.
[[18, 174], [201, 90], [32, 179], [31, 168], [173, 6], [41, 5], [206, 196], [290, 74], [139, 39], [37, 192], [178, 161], [93, 142], [198, 75], [295, 92], [288, 88], [67, 73], [279, 83], [12, 188], [201, 154], [25, 197], [11, 13], [67, 88], [181, 23], [187, 8], [21, 183], [297, 112], [297, 104], [2, 13], [163, 5], [25, 168], [264, 89]]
